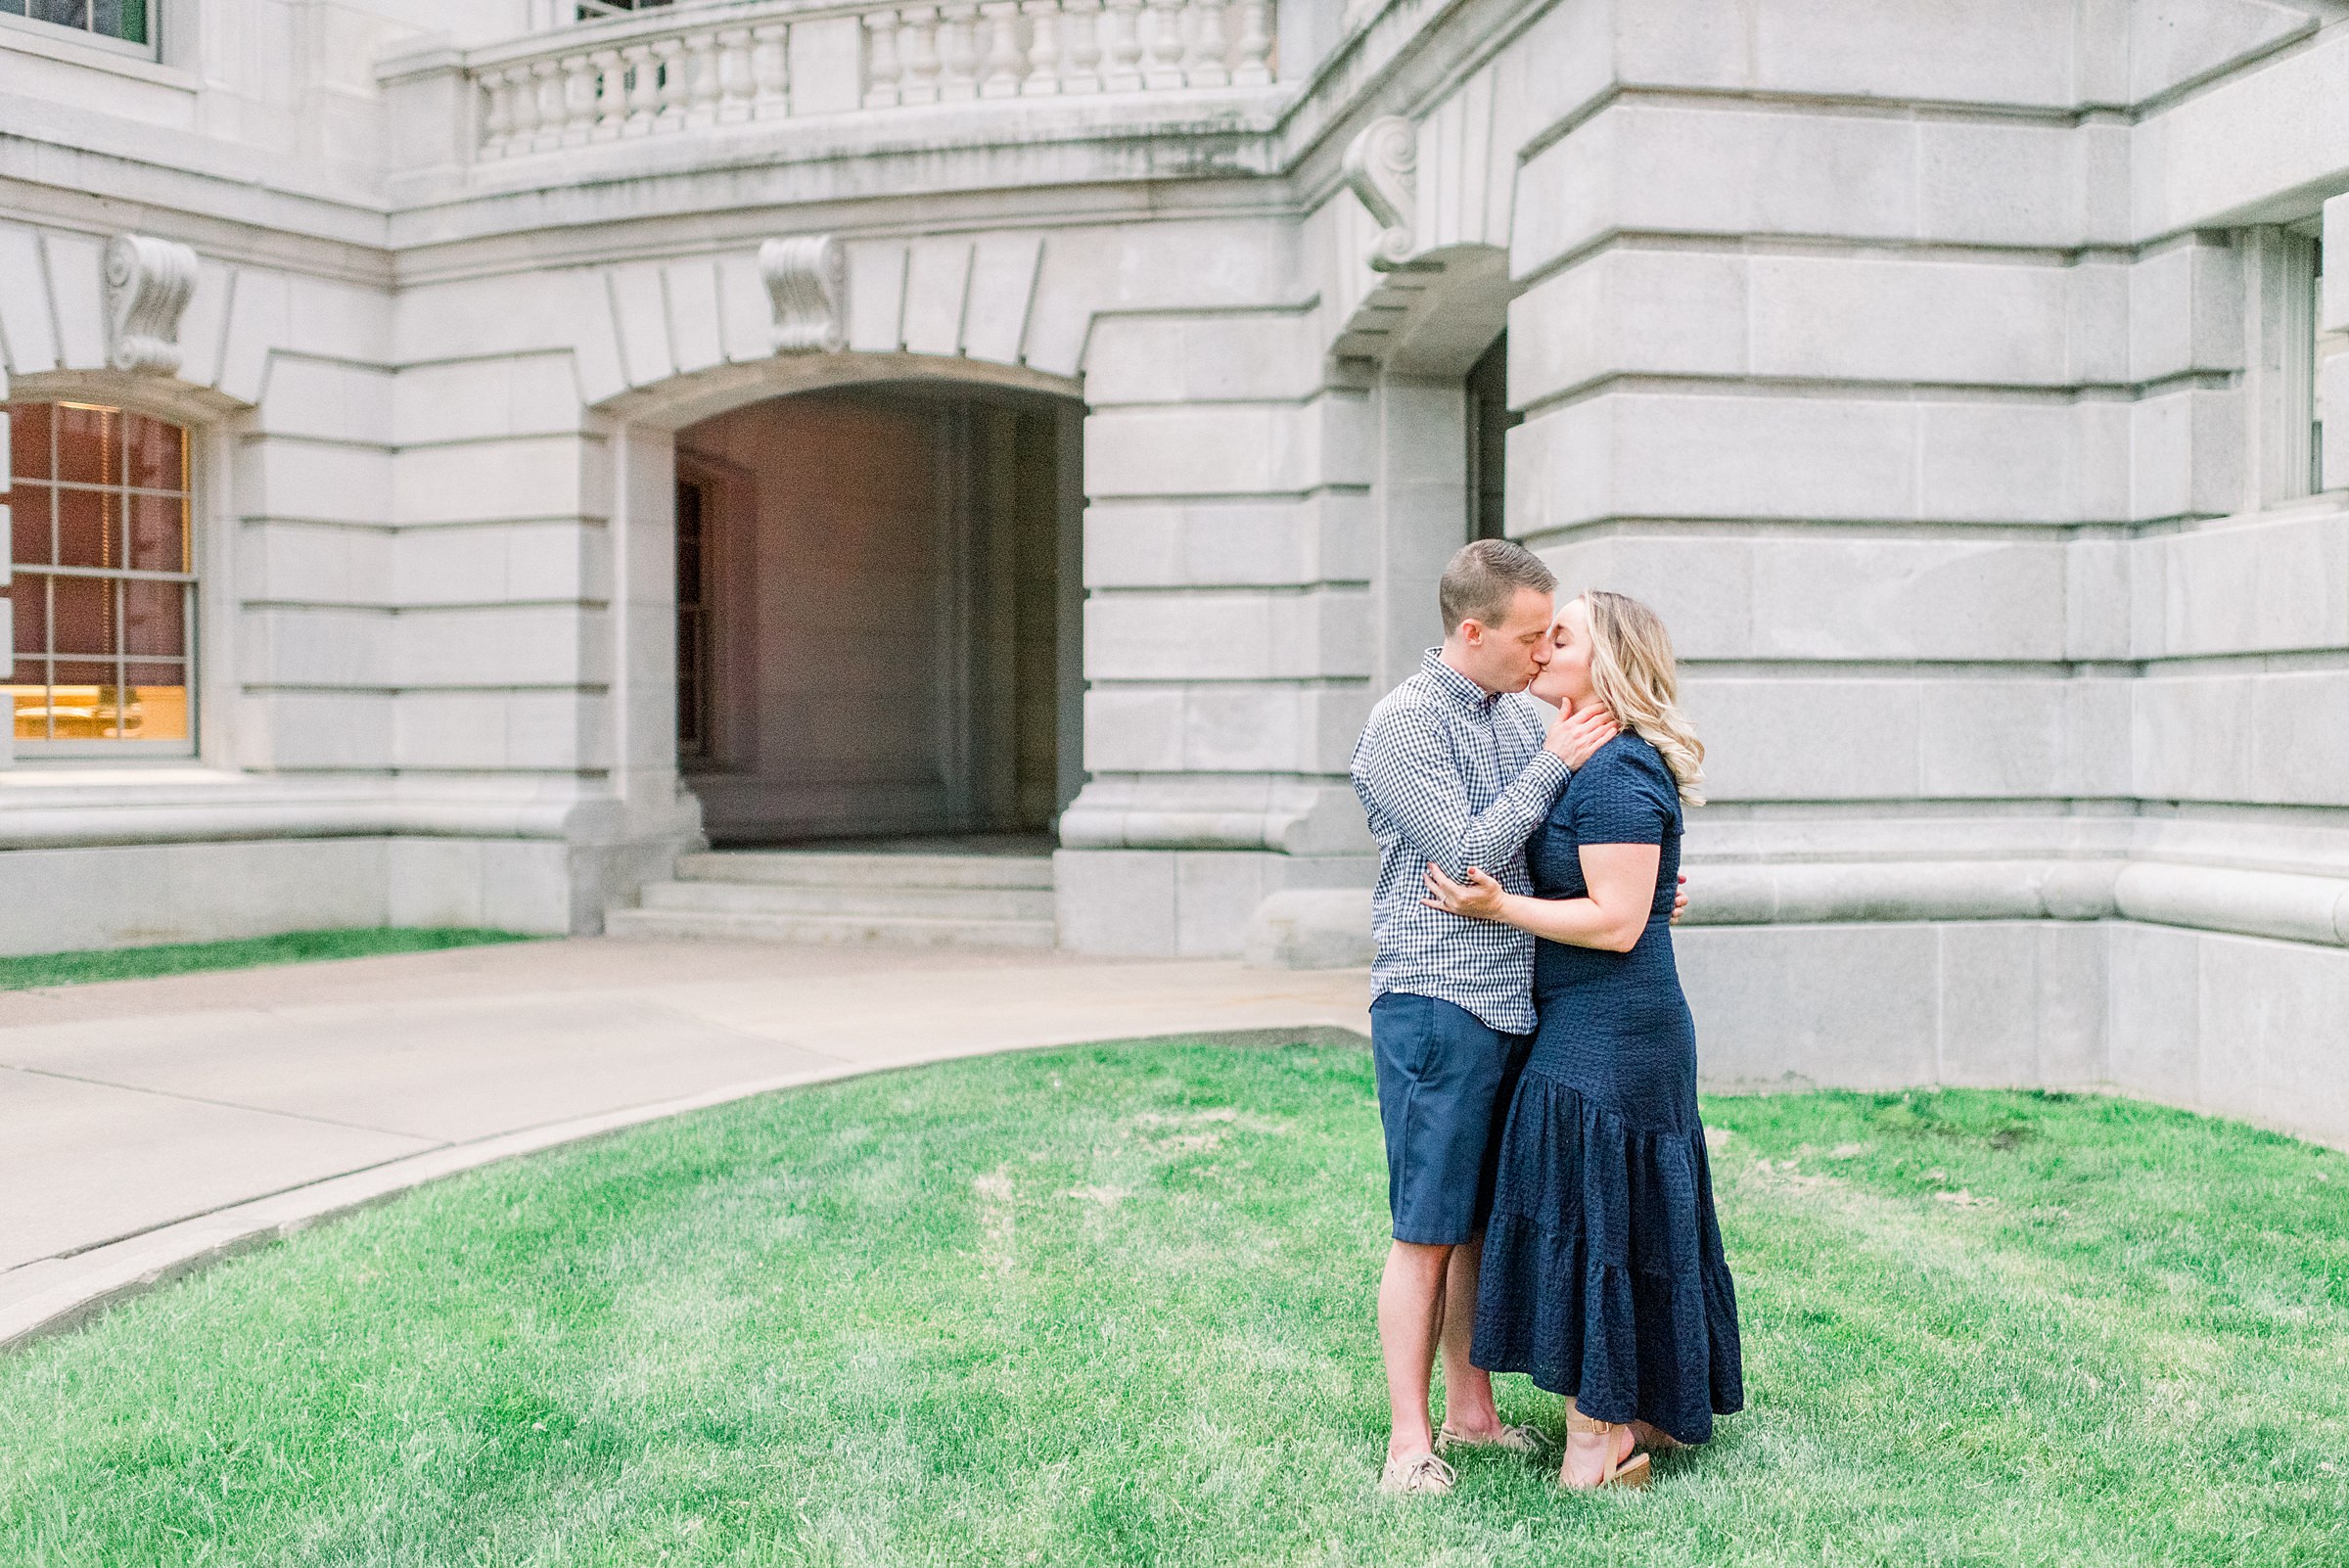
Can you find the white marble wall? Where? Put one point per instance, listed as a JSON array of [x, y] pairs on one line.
[[1919, 436], [1226, 658], [1918, 361], [1945, 433], [2236, 1026]]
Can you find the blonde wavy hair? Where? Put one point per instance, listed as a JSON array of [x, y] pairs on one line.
[[1634, 672]]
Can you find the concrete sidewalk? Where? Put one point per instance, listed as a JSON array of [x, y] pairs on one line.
[[153, 1125]]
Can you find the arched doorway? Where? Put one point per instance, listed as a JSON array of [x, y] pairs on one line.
[[878, 600]]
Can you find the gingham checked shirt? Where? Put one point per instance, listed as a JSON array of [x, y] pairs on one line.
[[1452, 773]]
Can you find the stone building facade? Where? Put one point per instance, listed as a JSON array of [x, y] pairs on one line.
[[466, 452]]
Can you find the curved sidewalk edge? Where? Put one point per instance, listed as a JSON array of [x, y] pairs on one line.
[[59, 1294]]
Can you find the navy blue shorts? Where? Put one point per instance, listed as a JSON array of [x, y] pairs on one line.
[[1445, 1077]]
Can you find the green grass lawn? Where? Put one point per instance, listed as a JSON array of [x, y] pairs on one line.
[[249, 952], [1113, 1304]]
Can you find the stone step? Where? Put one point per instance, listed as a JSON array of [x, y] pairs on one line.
[[934, 902], [850, 868], [897, 930]]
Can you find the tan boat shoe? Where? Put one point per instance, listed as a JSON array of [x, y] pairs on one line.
[[1528, 1439], [1424, 1477]]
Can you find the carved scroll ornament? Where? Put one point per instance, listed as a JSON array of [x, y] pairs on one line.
[[806, 278], [147, 282], [1382, 166]]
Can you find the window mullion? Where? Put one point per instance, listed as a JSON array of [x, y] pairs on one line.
[[119, 598], [49, 653]]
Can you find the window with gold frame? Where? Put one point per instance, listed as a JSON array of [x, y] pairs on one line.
[[103, 581]]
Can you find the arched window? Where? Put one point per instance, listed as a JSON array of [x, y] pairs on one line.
[[103, 581]]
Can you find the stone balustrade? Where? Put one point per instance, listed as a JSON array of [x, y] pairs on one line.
[[1038, 48], [724, 65]]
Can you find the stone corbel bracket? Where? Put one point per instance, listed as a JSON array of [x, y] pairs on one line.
[[1382, 166], [806, 278], [147, 282]]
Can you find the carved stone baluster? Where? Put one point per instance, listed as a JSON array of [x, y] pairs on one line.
[[611, 95], [530, 108], [497, 115], [670, 55], [522, 108], [700, 76], [1045, 43], [1081, 46], [1204, 59], [918, 48], [1162, 44], [529, 112], [1121, 46], [734, 75], [770, 71], [957, 53], [524, 89], [532, 126], [644, 89], [579, 98], [1255, 48], [881, 66], [546, 85], [1004, 57]]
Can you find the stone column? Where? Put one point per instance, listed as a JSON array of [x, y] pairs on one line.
[[1227, 645], [655, 817], [1420, 511]]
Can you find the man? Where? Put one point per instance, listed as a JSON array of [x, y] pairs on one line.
[[1454, 768]]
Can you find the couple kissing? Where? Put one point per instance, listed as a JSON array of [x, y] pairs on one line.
[[1536, 1058]]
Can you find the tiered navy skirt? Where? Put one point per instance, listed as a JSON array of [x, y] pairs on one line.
[[1603, 1275]]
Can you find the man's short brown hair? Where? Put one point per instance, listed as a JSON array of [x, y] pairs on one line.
[[1482, 581]]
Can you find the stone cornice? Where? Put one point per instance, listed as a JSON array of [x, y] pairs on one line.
[[1026, 161], [1040, 159], [106, 184]]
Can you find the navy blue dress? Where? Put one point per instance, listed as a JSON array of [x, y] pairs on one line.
[[1603, 1275]]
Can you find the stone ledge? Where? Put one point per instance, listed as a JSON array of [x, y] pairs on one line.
[[1316, 929], [87, 809], [2256, 904], [1287, 815]]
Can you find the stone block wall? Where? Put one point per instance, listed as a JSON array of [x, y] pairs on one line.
[[1929, 366], [1226, 657], [1944, 429], [401, 651]]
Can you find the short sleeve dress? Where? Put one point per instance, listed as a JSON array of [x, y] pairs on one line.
[[1603, 1275]]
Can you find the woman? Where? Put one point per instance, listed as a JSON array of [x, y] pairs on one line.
[[1603, 1275]]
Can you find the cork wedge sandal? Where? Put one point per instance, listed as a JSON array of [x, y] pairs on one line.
[[1655, 1438], [1644, 1434], [1635, 1471]]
